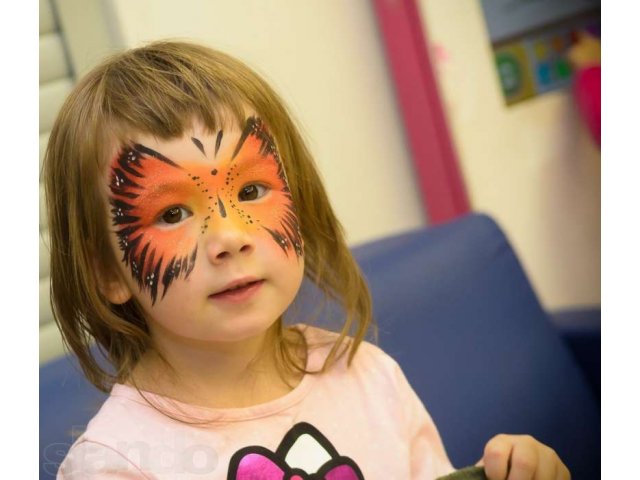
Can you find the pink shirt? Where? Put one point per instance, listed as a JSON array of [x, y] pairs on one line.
[[364, 421]]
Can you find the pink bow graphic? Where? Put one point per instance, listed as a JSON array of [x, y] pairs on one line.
[[262, 466], [259, 463]]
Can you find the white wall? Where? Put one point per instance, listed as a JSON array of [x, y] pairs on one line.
[[532, 166], [326, 60]]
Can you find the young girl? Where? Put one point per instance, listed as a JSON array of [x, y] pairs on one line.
[[184, 212]]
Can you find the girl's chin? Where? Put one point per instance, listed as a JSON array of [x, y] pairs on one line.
[[227, 331]]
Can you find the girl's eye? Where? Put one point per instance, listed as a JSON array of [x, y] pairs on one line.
[[252, 192], [174, 215]]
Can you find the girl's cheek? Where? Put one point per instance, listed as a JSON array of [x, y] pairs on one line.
[[273, 251], [174, 242], [277, 220]]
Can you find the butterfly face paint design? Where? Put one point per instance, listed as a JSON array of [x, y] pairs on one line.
[[160, 206]]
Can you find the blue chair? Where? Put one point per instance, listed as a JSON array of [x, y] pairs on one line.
[[67, 403], [456, 310]]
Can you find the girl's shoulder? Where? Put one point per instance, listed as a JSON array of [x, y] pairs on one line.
[[368, 359], [112, 432]]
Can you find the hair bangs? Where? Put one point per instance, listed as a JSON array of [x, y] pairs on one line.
[[163, 99]]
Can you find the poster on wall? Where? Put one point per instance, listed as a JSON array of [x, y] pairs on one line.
[[530, 39]]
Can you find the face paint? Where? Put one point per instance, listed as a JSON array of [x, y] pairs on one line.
[[160, 206]]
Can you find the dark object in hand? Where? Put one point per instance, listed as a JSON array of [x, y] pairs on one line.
[[469, 473]]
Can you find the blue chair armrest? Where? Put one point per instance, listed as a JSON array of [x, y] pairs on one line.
[[580, 329]]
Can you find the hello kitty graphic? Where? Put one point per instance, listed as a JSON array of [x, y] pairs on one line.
[[303, 454]]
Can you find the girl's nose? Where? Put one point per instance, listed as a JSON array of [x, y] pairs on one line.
[[226, 242]]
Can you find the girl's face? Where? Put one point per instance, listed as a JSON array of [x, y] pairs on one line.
[[206, 229]]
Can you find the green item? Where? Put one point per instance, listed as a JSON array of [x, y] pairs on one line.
[[469, 473]]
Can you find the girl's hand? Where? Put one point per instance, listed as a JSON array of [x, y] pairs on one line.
[[521, 457]]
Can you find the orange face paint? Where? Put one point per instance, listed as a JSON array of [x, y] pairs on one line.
[[145, 184]]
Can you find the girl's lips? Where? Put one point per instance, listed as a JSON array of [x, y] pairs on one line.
[[238, 295]]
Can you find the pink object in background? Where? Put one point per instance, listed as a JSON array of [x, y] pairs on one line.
[[587, 94], [438, 174]]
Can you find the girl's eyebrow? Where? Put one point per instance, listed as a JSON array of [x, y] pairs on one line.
[[252, 158], [168, 187]]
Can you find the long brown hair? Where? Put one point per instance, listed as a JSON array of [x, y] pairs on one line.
[[158, 89]]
